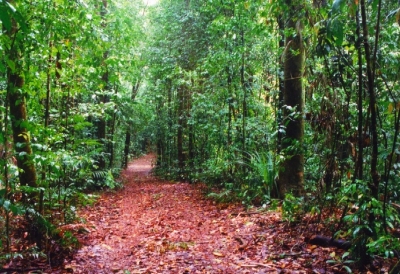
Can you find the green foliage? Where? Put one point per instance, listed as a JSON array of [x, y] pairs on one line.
[[292, 208], [46, 234], [8, 206], [79, 67], [367, 227], [385, 245], [69, 241], [83, 199], [225, 196], [344, 262], [263, 165], [106, 178]]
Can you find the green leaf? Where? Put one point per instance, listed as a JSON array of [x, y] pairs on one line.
[[6, 205], [18, 17], [337, 6], [335, 31], [348, 269], [16, 210], [11, 65], [356, 231], [345, 255], [5, 17]]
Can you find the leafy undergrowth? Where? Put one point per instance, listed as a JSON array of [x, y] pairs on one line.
[[27, 256], [153, 226]]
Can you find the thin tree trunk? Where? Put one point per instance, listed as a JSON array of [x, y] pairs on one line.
[[126, 148], [128, 134], [160, 144], [358, 174], [48, 88], [47, 114], [230, 107], [6, 181], [244, 103], [375, 177], [191, 133], [374, 186], [102, 124], [112, 133], [111, 143], [181, 122]]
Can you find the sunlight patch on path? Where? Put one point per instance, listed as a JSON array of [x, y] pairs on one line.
[[142, 165]]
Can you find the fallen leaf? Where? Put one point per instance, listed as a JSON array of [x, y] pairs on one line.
[[218, 254]]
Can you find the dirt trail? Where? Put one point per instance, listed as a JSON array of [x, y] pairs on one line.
[[153, 226]]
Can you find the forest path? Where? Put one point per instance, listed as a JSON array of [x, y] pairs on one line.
[[155, 226]]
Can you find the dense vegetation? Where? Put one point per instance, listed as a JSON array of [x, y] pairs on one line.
[[68, 77], [262, 100]]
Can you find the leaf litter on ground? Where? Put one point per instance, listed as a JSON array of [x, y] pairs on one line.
[[156, 226]]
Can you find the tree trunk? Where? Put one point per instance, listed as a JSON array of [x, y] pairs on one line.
[[358, 174], [279, 116], [191, 134], [244, 103], [102, 124], [374, 185], [126, 148], [18, 114], [181, 124], [291, 174], [128, 134], [111, 149]]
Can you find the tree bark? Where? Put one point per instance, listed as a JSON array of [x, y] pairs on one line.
[[102, 124], [128, 134], [18, 112], [358, 174], [126, 148], [279, 116], [181, 125], [374, 185], [291, 174]]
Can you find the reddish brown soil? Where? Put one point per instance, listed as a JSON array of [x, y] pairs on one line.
[[153, 226]]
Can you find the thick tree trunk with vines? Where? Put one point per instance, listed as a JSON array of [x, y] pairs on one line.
[[291, 175], [18, 112]]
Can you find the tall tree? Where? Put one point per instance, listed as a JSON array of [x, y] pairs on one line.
[[104, 97], [16, 92], [129, 129], [291, 175]]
